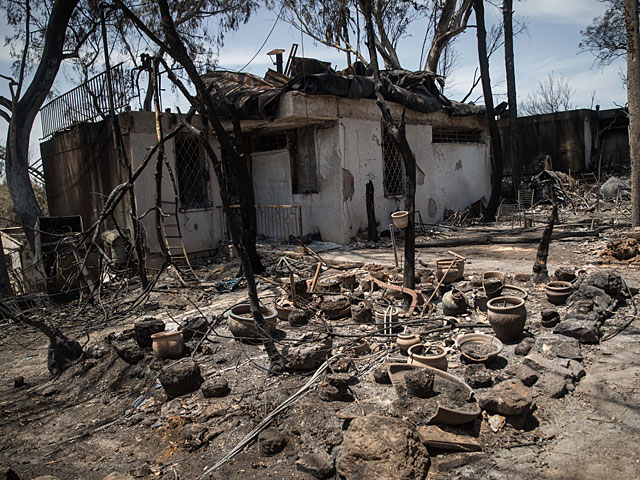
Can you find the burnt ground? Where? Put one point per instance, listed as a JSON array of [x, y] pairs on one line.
[[105, 415]]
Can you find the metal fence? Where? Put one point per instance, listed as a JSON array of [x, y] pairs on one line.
[[274, 223], [86, 102]]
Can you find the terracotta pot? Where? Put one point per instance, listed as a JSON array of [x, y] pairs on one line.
[[507, 316], [493, 283], [481, 338], [455, 273], [241, 323], [435, 356], [167, 344], [558, 292], [454, 302], [400, 219], [407, 340], [361, 347]]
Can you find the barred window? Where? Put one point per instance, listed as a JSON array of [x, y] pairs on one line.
[[269, 142], [304, 175], [455, 135], [393, 167], [192, 173]]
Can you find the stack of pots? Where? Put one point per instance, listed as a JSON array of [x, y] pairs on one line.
[[507, 316]]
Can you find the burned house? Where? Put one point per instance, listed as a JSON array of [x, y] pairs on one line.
[[313, 143]]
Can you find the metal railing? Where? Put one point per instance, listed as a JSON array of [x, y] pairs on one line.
[[86, 102], [275, 223]]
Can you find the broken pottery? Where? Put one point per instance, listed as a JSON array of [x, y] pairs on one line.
[[493, 283], [455, 272], [478, 347], [167, 344], [507, 316], [242, 324], [558, 291], [429, 355]]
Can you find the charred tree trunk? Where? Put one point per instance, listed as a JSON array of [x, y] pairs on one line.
[[514, 145], [372, 226], [5, 283], [399, 136], [633, 98], [24, 112], [496, 147], [540, 272]]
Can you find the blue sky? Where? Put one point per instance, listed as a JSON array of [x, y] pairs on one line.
[[550, 45]]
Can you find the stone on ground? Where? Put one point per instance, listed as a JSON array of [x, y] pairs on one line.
[[524, 347], [180, 378], [510, 397], [215, 387], [310, 354], [144, 328], [477, 376], [319, 464], [272, 442], [584, 330]]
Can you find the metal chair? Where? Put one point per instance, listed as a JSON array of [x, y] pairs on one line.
[[507, 211], [526, 199]]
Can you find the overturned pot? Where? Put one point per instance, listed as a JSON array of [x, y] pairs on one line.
[[507, 316], [243, 326], [558, 291], [429, 355]]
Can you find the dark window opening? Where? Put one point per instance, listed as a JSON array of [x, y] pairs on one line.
[[269, 142], [455, 135], [304, 165], [393, 167], [192, 173]]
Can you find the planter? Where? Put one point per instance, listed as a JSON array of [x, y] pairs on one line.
[[242, 325], [558, 292], [361, 347], [454, 303], [455, 272], [167, 344], [507, 316], [448, 412], [407, 340], [478, 347], [493, 283], [400, 219], [429, 355]]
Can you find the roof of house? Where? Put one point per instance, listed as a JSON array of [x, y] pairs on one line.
[[255, 97]]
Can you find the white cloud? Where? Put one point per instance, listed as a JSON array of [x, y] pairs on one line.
[[569, 12]]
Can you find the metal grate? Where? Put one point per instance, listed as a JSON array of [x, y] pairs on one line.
[[274, 223], [193, 176], [270, 142], [393, 171], [86, 102], [455, 135]]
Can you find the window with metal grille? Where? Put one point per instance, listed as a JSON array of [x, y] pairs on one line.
[[192, 173], [304, 167], [455, 135], [269, 142], [393, 167]]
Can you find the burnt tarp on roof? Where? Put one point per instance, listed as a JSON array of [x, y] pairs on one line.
[[253, 97]]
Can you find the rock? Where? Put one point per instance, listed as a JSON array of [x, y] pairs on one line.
[[128, 350], [336, 306], [563, 367], [584, 330], [215, 387], [328, 285], [552, 385], [144, 328], [382, 448], [6, 473], [342, 364], [362, 313], [525, 374], [142, 470], [298, 317], [335, 388], [196, 327], [496, 422], [135, 419], [272, 442], [381, 375], [549, 318], [118, 476], [49, 390], [193, 431], [180, 378], [524, 347], [476, 375], [310, 354], [348, 280], [510, 397], [319, 464], [45, 477], [598, 299], [559, 346], [419, 383], [610, 281]]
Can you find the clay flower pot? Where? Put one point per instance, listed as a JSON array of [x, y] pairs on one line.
[[242, 325], [455, 272], [478, 347], [361, 347], [430, 355], [400, 219], [507, 316], [454, 303], [558, 291], [407, 340], [167, 344], [493, 283]]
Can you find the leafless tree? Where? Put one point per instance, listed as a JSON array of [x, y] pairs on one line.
[[633, 99], [606, 37], [554, 94]]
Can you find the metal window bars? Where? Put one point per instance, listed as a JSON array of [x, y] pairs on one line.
[[274, 223], [393, 168], [86, 102], [192, 173]]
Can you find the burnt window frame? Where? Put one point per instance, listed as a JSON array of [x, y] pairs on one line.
[[202, 176], [389, 148], [457, 136]]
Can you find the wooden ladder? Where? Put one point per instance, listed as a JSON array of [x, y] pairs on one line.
[[172, 236]]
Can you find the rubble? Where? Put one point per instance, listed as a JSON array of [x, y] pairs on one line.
[[318, 464], [577, 326], [272, 442], [510, 397], [180, 378], [215, 387], [144, 328], [312, 351]]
